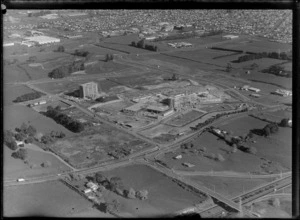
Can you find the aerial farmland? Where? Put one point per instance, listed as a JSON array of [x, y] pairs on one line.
[[147, 113]]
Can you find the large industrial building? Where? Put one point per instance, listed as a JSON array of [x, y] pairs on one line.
[[88, 90]]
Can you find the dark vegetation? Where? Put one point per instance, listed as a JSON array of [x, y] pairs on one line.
[[63, 119], [81, 53], [20, 154], [109, 57], [278, 71], [141, 44], [255, 56], [60, 49], [66, 70], [29, 96]]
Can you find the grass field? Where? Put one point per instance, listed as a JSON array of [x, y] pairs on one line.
[[229, 186], [261, 45], [15, 115], [11, 92], [51, 199], [15, 168], [213, 145], [164, 197], [13, 73], [276, 147]]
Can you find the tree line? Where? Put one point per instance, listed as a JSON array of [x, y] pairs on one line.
[[255, 56], [141, 44], [66, 70], [29, 96], [63, 119]]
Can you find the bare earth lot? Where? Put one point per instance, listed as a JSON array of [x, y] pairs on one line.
[[51, 199]]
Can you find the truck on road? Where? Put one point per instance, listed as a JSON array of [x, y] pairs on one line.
[[20, 180]]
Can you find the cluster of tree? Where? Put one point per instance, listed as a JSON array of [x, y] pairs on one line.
[[270, 129], [284, 122], [66, 70], [20, 154], [50, 138], [31, 59], [24, 133], [174, 77], [109, 57], [46, 164], [255, 56], [9, 140], [116, 185], [278, 71], [81, 53], [228, 67], [187, 146], [120, 152], [28, 96], [210, 120], [60, 48], [63, 119], [141, 44]]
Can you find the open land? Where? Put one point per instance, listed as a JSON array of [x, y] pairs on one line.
[[16, 115], [159, 187], [16, 168], [58, 201]]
